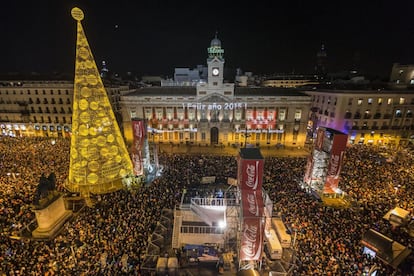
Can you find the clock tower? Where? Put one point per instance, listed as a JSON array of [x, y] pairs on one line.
[[215, 63], [213, 85]]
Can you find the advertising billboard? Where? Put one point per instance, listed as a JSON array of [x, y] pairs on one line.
[[251, 246], [252, 204], [139, 131], [250, 174], [309, 168], [335, 161], [320, 136], [250, 179]]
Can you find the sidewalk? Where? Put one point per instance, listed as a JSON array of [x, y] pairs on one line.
[[267, 151]]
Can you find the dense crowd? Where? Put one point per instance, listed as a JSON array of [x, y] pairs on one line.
[[328, 239], [111, 237]]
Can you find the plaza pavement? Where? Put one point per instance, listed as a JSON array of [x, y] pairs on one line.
[[267, 151]]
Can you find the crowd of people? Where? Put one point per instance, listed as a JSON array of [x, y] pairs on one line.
[[111, 237], [329, 239]]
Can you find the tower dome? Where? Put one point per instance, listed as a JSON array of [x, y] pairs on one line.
[[215, 42], [215, 49]]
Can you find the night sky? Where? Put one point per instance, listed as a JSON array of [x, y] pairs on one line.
[[154, 37]]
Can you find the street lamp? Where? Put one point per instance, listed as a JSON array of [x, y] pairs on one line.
[[245, 137], [268, 136]]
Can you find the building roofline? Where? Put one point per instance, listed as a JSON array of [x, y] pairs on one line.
[[360, 91], [238, 91]]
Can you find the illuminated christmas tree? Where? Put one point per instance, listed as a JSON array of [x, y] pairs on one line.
[[99, 159]]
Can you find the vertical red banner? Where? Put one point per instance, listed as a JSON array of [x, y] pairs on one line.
[[320, 136], [308, 173], [335, 161], [252, 203], [250, 174], [250, 179], [251, 246], [139, 132]]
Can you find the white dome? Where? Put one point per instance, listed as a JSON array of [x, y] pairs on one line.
[[215, 42]]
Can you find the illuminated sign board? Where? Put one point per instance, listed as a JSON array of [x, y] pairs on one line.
[[215, 106], [215, 50], [260, 131], [158, 131]]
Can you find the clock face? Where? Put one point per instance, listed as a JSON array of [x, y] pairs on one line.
[[215, 71]]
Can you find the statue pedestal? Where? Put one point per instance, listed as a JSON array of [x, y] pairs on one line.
[[50, 219]]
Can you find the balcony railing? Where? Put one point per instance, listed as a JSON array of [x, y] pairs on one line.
[[187, 229], [205, 201], [214, 201]]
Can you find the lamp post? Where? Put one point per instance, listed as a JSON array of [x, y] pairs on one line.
[[245, 137], [268, 136]]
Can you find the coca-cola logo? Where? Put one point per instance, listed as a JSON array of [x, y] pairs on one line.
[[138, 130], [136, 159], [319, 138], [138, 135], [252, 176], [308, 169], [249, 240], [252, 203], [334, 164], [250, 247]]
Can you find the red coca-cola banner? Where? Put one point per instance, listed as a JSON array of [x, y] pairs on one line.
[[335, 161], [250, 179], [320, 136], [250, 174], [252, 203], [139, 132], [251, 246], [308, 173]]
